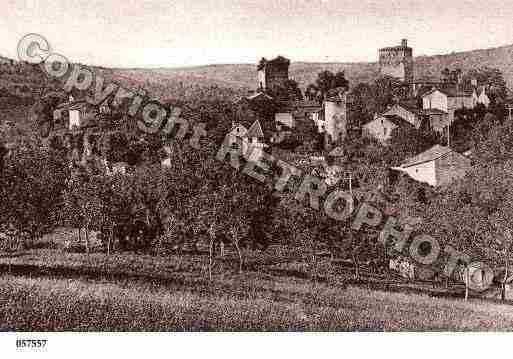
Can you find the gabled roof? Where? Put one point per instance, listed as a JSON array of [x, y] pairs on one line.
[[255, 130], [433, 111], [253, 97], [406, 106], [396, 120], [432, 154], [307, 104], [449, 92], [337, 152], [259, 95]]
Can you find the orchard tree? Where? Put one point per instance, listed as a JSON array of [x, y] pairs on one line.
[[33, 181]]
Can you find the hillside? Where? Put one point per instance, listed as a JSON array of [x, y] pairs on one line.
[[241, 76], [232, 79], [4, 60]]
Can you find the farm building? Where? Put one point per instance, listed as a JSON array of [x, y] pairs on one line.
[[438, 166]]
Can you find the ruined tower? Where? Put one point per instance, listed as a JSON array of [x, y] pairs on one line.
[[397, 61], [273, 73]]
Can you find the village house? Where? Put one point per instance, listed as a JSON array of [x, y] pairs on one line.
[[77, 113], [480, 97], [330, 117], [249, 141], [438, 166], [424, 84], [381, 126], [279, 118], [446, 101]]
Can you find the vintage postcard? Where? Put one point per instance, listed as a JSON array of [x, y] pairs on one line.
[[170, 168]]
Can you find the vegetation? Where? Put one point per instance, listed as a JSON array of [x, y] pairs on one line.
[[174, 219]]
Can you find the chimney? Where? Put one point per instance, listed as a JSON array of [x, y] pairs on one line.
[[404, 43]]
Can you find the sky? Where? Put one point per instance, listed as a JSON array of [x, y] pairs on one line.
[[176, 33]]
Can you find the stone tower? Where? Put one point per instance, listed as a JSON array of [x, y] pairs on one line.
[[273, 73], [397, 62], [335, 118]]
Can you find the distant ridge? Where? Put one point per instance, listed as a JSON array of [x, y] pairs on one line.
[[244, 75], [169, 82]]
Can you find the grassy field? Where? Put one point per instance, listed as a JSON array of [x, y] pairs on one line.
[[49, 290]]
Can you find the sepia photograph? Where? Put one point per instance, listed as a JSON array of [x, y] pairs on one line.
[[269, 171]]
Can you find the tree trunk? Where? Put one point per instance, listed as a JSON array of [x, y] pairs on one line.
[[109, 243], [236, 242], [210, 257], [356, 267], [467, 278], [87, 240], [506, 274]]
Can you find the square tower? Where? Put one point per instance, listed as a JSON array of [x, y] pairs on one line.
[[273, 73], [397, 61]]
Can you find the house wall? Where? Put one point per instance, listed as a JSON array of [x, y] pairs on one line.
[[435, 100], [484, 99], [254, 151], [455, 103], [475, 99], [74, 118], [451, 167], [335, 116], [423, 172], [285, 118], [379, 128], [438, 123]]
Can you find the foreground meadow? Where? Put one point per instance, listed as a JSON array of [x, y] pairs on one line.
[[178, 299]]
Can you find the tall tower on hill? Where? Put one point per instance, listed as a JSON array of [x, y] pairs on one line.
[[397, 61], [273, 73]]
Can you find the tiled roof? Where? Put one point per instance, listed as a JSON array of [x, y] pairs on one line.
[[72, 105], [433, 111], [398, 121], [427, 80], [255, 130], [260, 94], [410, 106], [432, 154], [307, 103]]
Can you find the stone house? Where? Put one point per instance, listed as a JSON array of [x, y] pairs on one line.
[[438, 166], [75, 113], [448, 101], [381, 126], [249, 141]]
